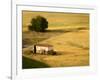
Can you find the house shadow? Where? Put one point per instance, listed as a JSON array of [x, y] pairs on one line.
[[30, 63]]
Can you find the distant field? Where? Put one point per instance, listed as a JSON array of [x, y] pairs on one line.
[[56, 19], [69, 35]]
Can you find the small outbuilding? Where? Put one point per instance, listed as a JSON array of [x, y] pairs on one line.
[[42, 48]]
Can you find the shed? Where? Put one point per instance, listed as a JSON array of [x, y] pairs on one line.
[[42, 48]]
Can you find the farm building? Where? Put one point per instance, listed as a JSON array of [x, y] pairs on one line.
[[42, 48]]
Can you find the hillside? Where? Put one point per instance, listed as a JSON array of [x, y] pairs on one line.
[[68, 33]]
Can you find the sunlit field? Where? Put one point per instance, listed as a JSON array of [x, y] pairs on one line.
[[68, 33]]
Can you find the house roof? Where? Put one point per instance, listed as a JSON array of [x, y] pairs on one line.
[[45, 45]]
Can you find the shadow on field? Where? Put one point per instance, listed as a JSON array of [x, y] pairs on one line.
[[29, 63], [55, 31], [67, 30]]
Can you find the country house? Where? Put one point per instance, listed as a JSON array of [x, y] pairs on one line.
[[42, 48]]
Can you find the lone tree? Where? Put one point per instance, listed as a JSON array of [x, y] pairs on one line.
[[38, 24]]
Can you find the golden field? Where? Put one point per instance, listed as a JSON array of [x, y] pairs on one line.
[[67, 32]]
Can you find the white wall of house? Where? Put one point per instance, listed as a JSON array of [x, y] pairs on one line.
[[38, 48]]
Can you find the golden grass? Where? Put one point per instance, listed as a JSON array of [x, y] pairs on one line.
[[73, 48], [69, 35], [70, 41], [56, 19]]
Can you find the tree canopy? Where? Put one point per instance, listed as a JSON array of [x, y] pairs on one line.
[[38, 24]]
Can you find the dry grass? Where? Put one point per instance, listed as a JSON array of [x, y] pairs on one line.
[[70, 41], [69, 35], [72, 47]]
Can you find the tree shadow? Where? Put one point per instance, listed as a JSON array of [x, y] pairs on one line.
[[82, 28], [67, 30], [29, 63], [55, 31]]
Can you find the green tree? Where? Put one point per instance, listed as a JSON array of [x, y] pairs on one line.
[[38, 24]]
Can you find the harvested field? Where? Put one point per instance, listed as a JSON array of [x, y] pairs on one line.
[[68, 33]]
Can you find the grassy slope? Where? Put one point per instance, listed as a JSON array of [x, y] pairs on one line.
[[73, 47], [69, 35], [56, 19], [32, 63], [73, 40]]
